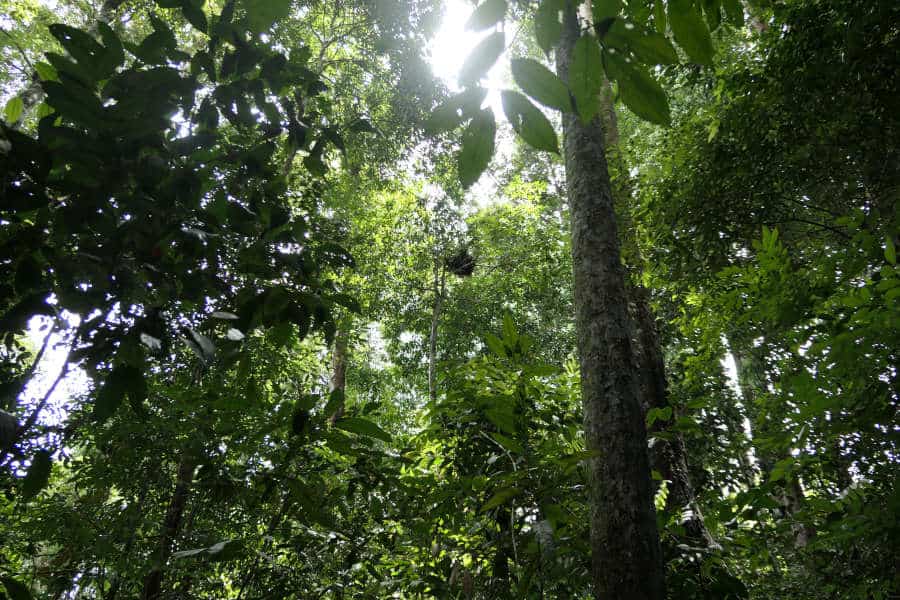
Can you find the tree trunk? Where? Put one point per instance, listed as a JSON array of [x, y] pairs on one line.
[[172, 523], [626, 556], [339, 370], [439, 288], [667, 456]]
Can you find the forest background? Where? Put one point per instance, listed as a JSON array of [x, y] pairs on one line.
[[371, 299]]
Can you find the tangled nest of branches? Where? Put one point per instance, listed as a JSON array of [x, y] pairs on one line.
[[461, 263]]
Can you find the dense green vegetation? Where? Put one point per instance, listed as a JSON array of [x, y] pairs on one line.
[[283, 314]]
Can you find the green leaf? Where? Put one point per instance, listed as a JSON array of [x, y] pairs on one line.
[[362, 427], [540, 83], [586, 77], [713, 13], [113, 52], [495, 344], [46, 71], [481, 59], [890, 251], [13, 109], [501, 497], [488, 14], [649, 47], [123, 380], [261, 14], [639, 91], [16, 589], [547, 25], [529, 122], [690, 31], [86, 51], [477, 147], [659, 16], [38, 474], [193, 14], [734, 12], [452, 112], [604, 9]]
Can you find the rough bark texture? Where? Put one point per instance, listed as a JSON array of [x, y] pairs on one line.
[[171, 524], [668, 456], [626, 556]]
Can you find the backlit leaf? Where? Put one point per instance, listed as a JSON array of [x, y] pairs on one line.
[[482, 58], [540, 83], [477, 147], [488, 14]]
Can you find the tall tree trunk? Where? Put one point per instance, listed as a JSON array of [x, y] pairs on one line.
[[668, 455], [626, 556], [171, 524], [439, 286]]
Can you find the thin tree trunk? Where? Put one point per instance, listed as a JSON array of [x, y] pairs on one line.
[[171, 524], [668, 456], [626, 556], [339, 370], [439, 288]]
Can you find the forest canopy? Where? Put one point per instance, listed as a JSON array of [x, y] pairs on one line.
[[444, 299]]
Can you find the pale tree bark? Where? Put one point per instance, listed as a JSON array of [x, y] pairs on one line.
[[626, 556]]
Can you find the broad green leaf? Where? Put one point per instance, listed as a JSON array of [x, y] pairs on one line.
[[541, 83], [604, 9], [890, 251], [650, 47], [734, 12], [86, 51], [586, 77], [477, 147], [16, 590], [501, 497], [529, 122], [638, 90], [495, 344], [113, 52], [690, 31], [481, 59], [46, 71], [122, 380], [261, 14], [362, 427], [452, 112], [547, 25], [488, 14], [713, 13], [38, 474], [193, 14], [659, 16], [13, 109]]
